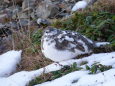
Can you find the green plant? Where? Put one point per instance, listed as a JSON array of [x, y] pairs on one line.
[[55, 74], [36, 37], [83, 63], [97, 68]]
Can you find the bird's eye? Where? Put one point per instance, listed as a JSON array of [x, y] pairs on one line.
[[46, 31]]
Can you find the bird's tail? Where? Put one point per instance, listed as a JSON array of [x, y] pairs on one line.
[[99, 44]]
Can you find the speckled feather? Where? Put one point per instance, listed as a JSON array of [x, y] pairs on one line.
[[59, 45]]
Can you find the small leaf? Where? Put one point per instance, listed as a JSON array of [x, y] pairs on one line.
[[93, 69], [87, 67]]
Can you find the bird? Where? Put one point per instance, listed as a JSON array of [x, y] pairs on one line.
[[60, 45], [43, 22]]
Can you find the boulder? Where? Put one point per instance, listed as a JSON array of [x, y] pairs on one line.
[[5, 44], [4, 30], [46, 9], [13, 1]]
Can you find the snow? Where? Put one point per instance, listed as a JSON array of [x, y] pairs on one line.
[[99, 79], [98, 44], [79, 5], [9, 60], [65, 80]]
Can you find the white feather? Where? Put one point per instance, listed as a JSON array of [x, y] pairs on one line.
[[57, 55]]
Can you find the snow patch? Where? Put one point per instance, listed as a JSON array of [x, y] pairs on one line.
[[79, 5], [8, 62], [77, 78]]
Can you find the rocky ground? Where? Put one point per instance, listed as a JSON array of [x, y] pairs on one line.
[[18, 14]]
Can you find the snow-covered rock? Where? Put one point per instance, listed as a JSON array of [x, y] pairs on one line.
[[79, 6], [8, 62]]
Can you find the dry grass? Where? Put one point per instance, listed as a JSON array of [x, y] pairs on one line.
[[104, 5], [32, 57], [33, 62]]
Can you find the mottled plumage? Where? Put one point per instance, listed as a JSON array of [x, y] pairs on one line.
[[59, 45]]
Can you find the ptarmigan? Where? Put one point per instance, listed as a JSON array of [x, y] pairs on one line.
[[42, 21], [59, 45]]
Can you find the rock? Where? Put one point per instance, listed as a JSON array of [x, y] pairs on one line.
[[46, 9], [13, 1], [28, 4], [23, 22], [7, 1], [71, 1], [80, 5], [5, 38], [5, 30], [92, 2], [3, 18], [18, 24], [64, 8], [28, 9], [1, 2], [5, 44], [10, 12]]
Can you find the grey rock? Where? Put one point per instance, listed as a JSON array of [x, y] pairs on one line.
[[10, 12], [5, 30], [92, 2], [3, 18], [13, 1], [5, 44], [46, 9], [28, 3], [18, 24]]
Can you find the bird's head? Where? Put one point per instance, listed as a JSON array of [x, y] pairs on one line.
[[50, 31]]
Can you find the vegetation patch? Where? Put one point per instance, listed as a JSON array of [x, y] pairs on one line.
[[99, 26], [95, 68], [83, 63], [55, 74], [36, 37]]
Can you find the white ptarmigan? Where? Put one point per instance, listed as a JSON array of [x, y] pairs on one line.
[[59, 45]]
